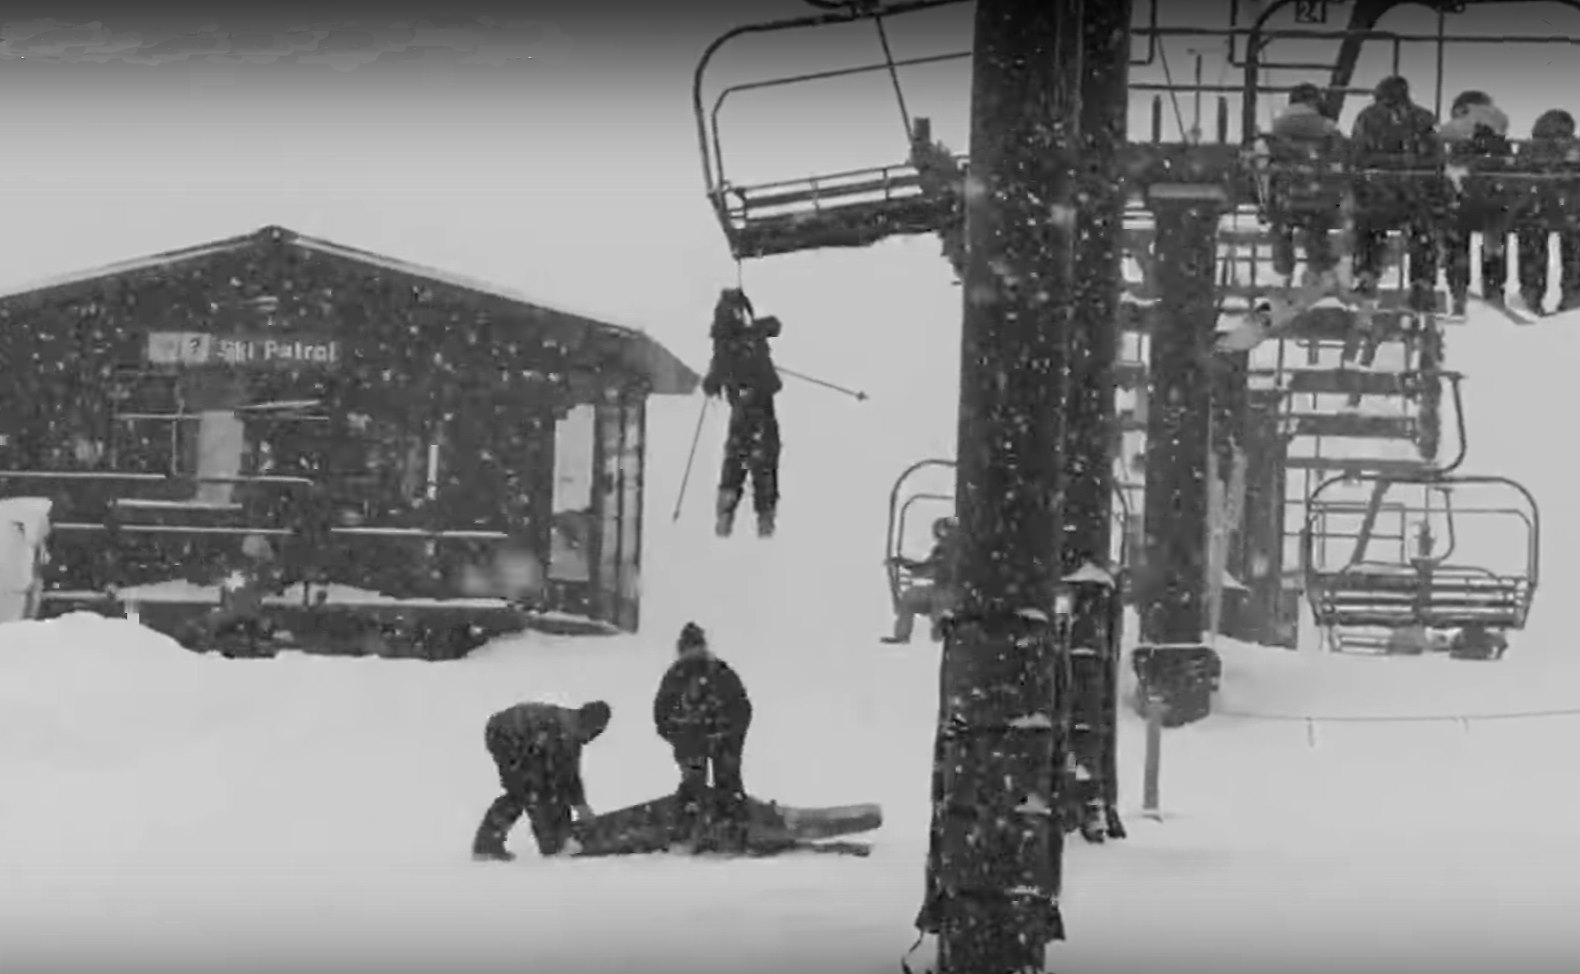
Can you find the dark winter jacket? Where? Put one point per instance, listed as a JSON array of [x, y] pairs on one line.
[[1304, 146], [742, 362], [939, 566], [1305, 123], [539, 745], [1394, 132], [700, 698]]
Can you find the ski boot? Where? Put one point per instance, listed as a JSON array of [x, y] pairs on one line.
[[1422, 300], [765, 523], [490, 847], [500, 854], [1363, 286], [1532, 300], [724, 513], [1092, 825], [1459, 305], [1116, 826]]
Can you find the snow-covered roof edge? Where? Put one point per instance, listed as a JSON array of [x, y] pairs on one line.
[[670, 375]]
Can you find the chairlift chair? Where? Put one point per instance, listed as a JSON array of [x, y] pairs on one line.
[[1365, 601], [854, 208]]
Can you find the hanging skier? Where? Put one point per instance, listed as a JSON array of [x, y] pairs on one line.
[[702, 710], [743, 370], [537, 748]]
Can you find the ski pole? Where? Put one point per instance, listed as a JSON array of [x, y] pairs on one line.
[[855, 394], [691, 457]]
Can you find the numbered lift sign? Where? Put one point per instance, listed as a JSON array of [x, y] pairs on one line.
[[180, 348]]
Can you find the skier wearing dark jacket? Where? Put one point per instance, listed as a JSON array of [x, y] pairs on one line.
[[1553, 145], [1305, 146], [1394, 133], [537, 748], [1476, 128], [743, 370], [703, 712]]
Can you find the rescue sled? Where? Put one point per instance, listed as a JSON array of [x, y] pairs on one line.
[[774, 829]]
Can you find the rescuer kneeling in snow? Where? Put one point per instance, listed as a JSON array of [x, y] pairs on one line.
[[537, 748]]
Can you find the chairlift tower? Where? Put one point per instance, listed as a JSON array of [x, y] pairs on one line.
[[1221, 439]]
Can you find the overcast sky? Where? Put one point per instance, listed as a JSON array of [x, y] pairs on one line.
[[555, 154]]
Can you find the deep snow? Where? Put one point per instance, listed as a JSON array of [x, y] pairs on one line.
[[160, 810]]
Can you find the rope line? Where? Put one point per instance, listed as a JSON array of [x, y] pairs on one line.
[[1395, 718]]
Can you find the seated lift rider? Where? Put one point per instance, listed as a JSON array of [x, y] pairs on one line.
[[1476, 129], [938, 592], [1553, 144], [1396, 140], [1300, 200]]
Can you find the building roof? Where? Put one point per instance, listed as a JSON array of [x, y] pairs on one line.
[[638, 351]]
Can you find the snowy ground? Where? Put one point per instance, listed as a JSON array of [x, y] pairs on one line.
[[164, 811]]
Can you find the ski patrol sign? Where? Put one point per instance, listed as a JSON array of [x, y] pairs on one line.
[[178, 348]]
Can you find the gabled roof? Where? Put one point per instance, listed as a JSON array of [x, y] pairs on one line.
[[640, 353]]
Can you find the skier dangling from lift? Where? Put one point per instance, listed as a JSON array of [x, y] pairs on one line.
[[743, 370]]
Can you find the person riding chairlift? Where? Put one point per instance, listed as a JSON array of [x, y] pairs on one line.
[[1395, 135], [937, 593], [1553, 145], [1303, 145], [1476, 129]]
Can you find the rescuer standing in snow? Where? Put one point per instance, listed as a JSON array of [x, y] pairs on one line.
[[702, 711]]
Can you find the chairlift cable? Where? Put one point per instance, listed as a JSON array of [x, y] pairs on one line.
[[894, 76]]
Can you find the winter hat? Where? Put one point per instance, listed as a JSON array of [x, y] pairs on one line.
[[1554, 124], [691, 637], [1306, 94], [1393, 90], [1469, 99], [594, 717]]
